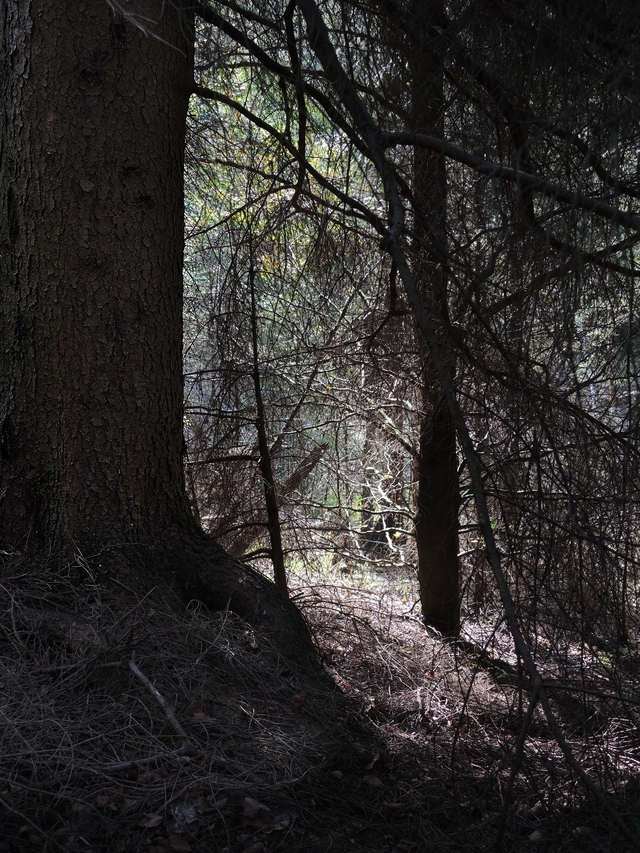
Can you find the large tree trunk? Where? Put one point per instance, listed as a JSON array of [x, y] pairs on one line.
[[92, 282], [438, 496], [94, 104]]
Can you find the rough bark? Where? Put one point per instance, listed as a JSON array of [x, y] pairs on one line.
[[92, 293], [94, 101]]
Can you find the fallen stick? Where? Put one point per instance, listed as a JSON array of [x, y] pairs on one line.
[[168, 710], [187, 749]]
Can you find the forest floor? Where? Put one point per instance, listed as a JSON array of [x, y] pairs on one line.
[[127, 725]]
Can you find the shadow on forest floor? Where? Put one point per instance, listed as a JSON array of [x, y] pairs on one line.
[[209, 742]]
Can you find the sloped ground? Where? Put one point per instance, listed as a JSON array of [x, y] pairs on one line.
[[128, 725]]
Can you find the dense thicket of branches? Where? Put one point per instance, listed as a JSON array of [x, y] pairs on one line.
[[537, 137], [306, 160]]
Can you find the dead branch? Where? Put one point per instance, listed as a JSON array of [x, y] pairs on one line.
[[168, 710]]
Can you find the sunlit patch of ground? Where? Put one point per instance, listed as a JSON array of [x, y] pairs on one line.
[[448, 717]]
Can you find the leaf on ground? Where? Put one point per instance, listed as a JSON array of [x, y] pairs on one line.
[[109, 800], [202, 716], [298, 700], [172, 844], [405, 846], [178, 843], [189, 806], [150, 820], [194, 710], [249, 640], [129, 804], [373, 761], [185, 813], [395, 807], [253, 812], [156, 775], [373, 780], [279, 823]]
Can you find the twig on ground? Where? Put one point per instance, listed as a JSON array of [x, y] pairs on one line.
[[168, 710], [187, 749], [55, 669], [30, 824]]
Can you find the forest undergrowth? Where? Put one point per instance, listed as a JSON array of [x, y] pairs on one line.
[[130, 724]]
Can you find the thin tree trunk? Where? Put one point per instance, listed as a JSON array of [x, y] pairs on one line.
[[266, 468], [283, 493], [438, 496]]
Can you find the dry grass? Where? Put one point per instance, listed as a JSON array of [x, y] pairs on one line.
[[412, 753]]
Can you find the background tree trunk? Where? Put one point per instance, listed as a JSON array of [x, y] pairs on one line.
[[438, 496]]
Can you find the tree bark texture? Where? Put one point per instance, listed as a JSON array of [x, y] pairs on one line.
[[92, 273], [438, 495], [94, 99]]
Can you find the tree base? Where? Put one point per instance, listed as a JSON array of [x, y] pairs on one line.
[[204, 572], [192, 567]]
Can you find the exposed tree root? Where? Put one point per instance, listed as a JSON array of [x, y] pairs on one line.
[[205, 572]]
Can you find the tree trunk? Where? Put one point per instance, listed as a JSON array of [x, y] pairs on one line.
[[264, 462], [92, 432], [91, 193], [438, 496]]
